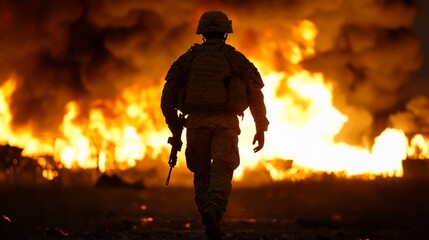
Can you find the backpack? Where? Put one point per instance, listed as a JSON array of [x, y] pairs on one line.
[[212, 83]]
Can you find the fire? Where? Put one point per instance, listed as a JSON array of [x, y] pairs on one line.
[[74, 148], [109, 144], [6, 91], [419, 147], [305, 132], [101, 142], [300, 141], [25, 138], [304, 124]]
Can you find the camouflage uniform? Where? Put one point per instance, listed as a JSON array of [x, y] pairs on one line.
[[212, 137]]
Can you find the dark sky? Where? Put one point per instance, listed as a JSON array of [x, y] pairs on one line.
[[421, 28]]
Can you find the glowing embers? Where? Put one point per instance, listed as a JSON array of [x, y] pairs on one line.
[[50, 168]]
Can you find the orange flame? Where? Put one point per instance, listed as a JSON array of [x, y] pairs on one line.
[[419, 147], [304, 124], [303, 127], [6, 91], [111, 143]]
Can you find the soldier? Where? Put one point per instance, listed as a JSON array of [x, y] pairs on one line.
[[213, 84]]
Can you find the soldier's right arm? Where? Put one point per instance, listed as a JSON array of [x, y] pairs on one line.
[[169, 99], [175, 82]]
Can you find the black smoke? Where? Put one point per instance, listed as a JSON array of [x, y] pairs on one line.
[[366, 49], [84, 51]]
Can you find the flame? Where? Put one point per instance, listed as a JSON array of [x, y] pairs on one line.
[[419, 147], [6, 91], [305, 133], [111, 143], [33, 144], [304, 124], [300, 141]]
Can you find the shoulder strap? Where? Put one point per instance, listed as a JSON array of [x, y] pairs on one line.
[[228, 49]]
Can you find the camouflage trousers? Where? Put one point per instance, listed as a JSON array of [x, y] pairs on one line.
[[212, 155]]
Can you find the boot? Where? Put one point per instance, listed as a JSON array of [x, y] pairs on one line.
[[211, 221]]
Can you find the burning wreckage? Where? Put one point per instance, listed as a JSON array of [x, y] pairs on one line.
[[82, 92], [37, 170], [16, 169]]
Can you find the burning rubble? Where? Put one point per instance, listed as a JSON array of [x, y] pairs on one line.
[[80, 84]]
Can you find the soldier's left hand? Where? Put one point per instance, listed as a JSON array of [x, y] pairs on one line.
[[260, 138]]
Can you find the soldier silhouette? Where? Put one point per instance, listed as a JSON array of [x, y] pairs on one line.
[[213, 83]]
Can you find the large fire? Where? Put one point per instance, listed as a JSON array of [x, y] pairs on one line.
[[300, 139]]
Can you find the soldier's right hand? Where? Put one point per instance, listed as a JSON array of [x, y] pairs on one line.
[[260, 138]]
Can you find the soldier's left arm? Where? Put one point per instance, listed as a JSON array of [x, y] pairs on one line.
[[256, 98]]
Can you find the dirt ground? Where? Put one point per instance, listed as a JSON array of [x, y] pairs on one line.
[[323, 209]]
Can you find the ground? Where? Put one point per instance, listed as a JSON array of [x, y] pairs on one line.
[[322, 209]]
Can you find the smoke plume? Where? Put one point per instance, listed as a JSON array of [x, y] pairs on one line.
[[84, 51], [62, 51]]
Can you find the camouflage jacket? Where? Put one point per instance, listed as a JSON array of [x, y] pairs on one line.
[[176, 78]]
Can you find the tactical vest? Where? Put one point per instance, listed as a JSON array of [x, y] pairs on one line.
[[213, 84]]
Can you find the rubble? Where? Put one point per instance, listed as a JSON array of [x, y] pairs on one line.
[[335, 209], [416, 168], [113, 180]]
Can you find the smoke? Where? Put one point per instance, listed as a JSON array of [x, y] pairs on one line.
[[415, 118], [62, 51], [83, 51], [368, 50]]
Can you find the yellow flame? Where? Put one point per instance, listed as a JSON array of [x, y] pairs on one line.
[[74, 149], [304, 124], [419, 147], [6, 90], [305, 32], [111, 143], [299, 142], [304, 132]]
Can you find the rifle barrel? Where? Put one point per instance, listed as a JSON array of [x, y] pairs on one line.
[[168, 177]]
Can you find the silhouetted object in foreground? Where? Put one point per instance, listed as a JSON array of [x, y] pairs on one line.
[[416, 168], [9, 156], [176, 145], [114, 181], [213, 84]]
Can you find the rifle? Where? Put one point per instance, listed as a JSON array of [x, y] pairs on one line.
[[176, 145]]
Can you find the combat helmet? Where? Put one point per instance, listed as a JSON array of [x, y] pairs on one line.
[[214, 21]]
